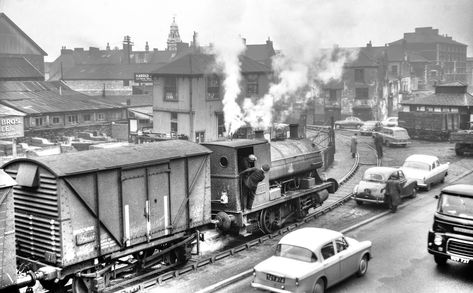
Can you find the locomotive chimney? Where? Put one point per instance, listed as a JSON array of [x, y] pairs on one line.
[[294, 131], [259, 134]]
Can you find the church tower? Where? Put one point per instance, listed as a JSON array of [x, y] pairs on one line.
[[173, 37]]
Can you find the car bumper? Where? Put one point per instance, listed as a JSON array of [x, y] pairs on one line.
[[364, 197], [268, 288]]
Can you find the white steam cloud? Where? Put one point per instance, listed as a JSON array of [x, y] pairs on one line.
[[300, 30]]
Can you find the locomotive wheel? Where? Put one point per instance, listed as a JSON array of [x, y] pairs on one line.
[[80, 285], [269, 219]]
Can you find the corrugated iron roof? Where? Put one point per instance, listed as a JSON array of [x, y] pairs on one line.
[[38, 97], [7, 111], [13, 68], [442, 100], [120, 157], [236, 143], [200, 64]]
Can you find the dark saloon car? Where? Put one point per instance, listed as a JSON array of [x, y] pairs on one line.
[[349, 122]]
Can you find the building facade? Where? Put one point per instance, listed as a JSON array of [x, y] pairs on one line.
[[446, 57], [188, 93]]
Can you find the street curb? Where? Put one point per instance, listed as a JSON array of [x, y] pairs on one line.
[[248, 273]]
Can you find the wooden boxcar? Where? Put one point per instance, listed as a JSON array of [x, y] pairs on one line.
[[81, 211], [7, 236], [429, 125]]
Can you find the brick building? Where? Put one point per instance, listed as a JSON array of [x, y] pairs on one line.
[[447, 57], [188, 93]]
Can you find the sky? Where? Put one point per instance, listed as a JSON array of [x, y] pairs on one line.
[[348, 23]]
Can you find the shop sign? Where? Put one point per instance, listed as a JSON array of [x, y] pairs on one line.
[[11, 127]]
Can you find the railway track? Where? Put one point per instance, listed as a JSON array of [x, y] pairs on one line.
[[153, 278]]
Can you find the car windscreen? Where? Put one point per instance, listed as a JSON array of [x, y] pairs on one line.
[[295, 252], [370, 176], [417, 165], [401, 134], [456, 205]]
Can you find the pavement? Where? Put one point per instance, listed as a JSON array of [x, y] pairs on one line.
[[342, 161]]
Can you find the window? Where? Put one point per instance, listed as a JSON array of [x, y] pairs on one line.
[[220, 125], [251, 85], [200, 136], [332, 95], [213, 87], [100, 116], [394, 70], [86, 117], [359, 75], [328, 250], [126, 82], [173, 123], [170, 88], [341, 244], [38, 121], [72, 119], [361, 93], [56, 120], [295, 252]]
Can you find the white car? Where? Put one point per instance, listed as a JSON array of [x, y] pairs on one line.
[[425, 169], [311, 260], [390, 121]]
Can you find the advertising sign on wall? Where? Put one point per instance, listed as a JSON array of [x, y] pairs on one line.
[[11, 127]]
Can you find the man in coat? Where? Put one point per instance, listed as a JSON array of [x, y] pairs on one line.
[[353, 145], [255, 177], [393, 193]]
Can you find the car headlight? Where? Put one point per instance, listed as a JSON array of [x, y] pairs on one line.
[[438, 239]]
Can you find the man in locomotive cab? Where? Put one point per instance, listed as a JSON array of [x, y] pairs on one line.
[[248, 162], [255, 176]]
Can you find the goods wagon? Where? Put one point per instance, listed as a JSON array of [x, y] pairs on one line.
[[8, 276], [429, 125], [78, 214], [291, 187]]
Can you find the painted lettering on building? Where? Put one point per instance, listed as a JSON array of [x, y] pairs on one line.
[[11, 127]]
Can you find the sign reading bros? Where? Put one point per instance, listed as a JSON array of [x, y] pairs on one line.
[[11, 127]]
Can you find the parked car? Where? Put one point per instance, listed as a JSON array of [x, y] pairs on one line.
[[394, 136], [425, 169], [349, 122], [311, 260], [372, 186], [369, 126], [390, 122]]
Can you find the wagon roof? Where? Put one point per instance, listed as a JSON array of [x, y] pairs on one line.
[[237, 143], [120, 157]]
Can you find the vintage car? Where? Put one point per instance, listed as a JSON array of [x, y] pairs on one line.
[[311, 260], [349, 122], [394, 136], [425, 169], [369, 126], [372, 186], [390, 122]]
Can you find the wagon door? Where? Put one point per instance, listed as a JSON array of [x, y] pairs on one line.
[[134, 191], [159, 190]]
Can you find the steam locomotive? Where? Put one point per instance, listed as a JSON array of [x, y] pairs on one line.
[[77, 216]]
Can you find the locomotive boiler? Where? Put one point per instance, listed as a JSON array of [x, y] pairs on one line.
[[291, 188], [78, 214]]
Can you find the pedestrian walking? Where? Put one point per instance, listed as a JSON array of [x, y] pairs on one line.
[[393, 193], [353, 145], [378, 143], [255, 177]]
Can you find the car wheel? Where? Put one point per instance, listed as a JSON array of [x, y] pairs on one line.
[[363, 266], [440, 260], [359, 202], [319, 286], [414, 192]]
